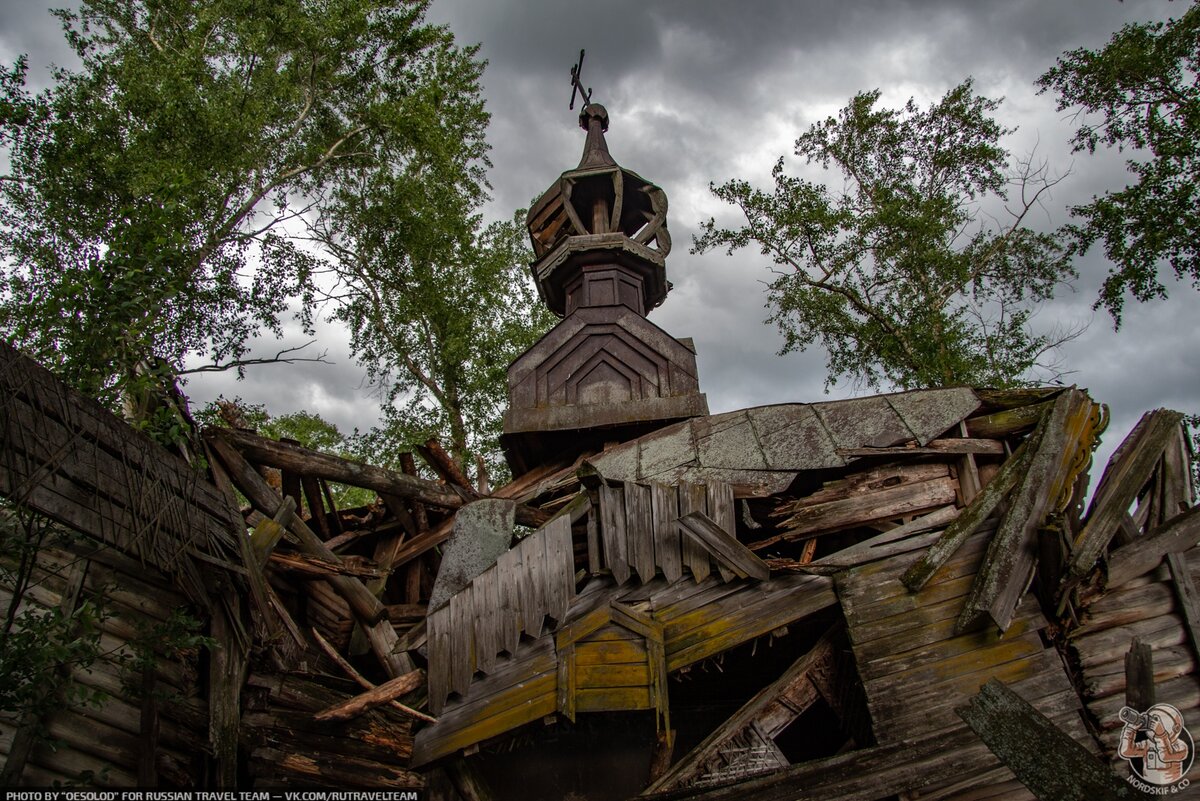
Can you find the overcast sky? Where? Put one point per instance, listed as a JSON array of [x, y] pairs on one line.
[[703, 91]]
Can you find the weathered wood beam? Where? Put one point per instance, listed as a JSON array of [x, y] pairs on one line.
[[304, 461], [1052, 765], [968, 522], [779, 702], [723, 546], [365, 606], [1127, 472], [315, 567], [1064, 444], [445, 466], [376, 696], [363, 682], [1007, 422], [1145, 553], [1139, 675], [961, 445]]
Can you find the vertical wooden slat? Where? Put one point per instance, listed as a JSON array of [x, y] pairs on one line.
[[639, 530], [486, 619], [562, 567], [612, 531], [438, 626], [664, 504], [721, 512], [694, 498], [593, 540], [508, 583], [566, 681], [462, 635], [316, 509], [533, 584]]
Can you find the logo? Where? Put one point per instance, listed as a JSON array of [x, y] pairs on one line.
[[1158, 747]]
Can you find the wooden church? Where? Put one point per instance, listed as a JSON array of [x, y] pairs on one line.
[[891, 597]]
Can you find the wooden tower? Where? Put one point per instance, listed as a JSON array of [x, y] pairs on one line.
[[605, 372]]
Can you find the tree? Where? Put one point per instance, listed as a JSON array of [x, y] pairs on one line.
[[901, 276], [148, 208], [436, 323], [1144, 84]]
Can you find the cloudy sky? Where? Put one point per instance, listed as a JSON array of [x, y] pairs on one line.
[[701, 91]]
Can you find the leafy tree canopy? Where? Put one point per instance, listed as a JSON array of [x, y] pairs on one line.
[[899, 275], [143, 212], [1142, 92]]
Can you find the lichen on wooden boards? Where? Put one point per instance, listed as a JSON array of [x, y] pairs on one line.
[[1059, 450], [1047, 760]]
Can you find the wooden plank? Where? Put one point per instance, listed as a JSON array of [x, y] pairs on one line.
[[534, 578], [440, 658], [1177, 535], [694, 498], [723, 546], [485, 595], [510, 615], [376, 696], [964, 445], [1062, 448], [462, 648], [639, 530], [562, 568], [1139, 675], [859, 510], [895, 541], [1125, 475], [624, 675], [720, 511], [1045, 759], [531, 700], [664, 503], [1189, 600], [593, 540], [612, 530], [768, 606], [610, 652], [612, 699], [567, 681], [262, 450], [750, 712]]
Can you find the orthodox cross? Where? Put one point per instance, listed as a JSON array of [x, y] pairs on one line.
[[577, 85]]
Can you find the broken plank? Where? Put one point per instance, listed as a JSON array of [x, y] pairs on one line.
[[694, 498], [728, 551], [664, 504], [969, 521], [639, 530], [1139, 557], [612, 531], [377, 696], [1044, 758]]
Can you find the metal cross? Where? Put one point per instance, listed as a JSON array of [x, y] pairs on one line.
[[577, 85]]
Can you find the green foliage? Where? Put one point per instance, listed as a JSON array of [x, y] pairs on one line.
[[144, 209], [39, 646], [899, 276], [1145, 87], [436, 312]]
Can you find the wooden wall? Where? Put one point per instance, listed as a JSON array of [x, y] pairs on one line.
[[145, 730]]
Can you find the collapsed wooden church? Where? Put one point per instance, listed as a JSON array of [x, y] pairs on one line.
[[899, 596]]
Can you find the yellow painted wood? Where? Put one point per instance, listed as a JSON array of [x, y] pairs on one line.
[[567, 679], [610, 652], [593, 677], [527, 702], [613, 699], [612, 632]]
